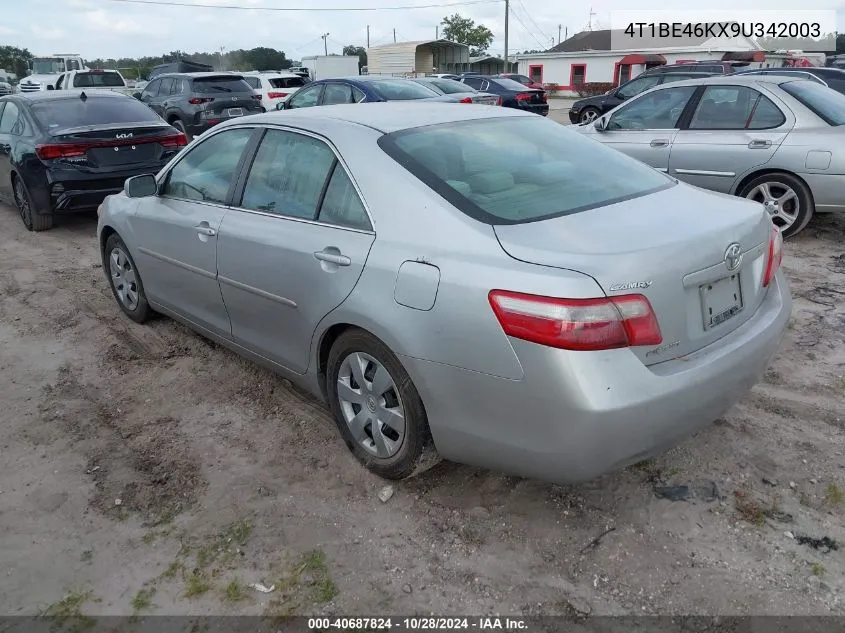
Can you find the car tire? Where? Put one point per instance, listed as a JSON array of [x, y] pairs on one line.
[[588, 115], [125, 280], [777, 187], [32, 220], [369, 393], [181, 127]]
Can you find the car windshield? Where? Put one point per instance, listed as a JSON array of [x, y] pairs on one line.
[[401, 90], [513, 170], [450, 87], [215, 85], [47, 66], [828, 104], [97, 80], [59, 114]]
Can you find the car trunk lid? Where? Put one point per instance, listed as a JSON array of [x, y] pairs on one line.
[[670, 247], [117, 145]]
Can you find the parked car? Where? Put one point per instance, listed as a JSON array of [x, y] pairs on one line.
[[182, 66], [589, 109], [63, 152], [362, 89], [775, 140], [445, 76], [302, 71], [194, 102], [450, 86], [92, 79], [522, 79], [513, 94], [571, 289], [5, 88], [707, 66], [831, 77], [274, 87]]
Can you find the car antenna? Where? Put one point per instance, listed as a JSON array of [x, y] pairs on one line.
[[83, 96]]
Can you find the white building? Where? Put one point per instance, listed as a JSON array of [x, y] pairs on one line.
[[587, 57], [417, 58]]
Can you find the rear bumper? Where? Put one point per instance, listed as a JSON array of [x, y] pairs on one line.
[[828, 191], [577, 415]]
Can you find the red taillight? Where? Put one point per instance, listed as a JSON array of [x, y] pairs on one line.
[[499, 101], [277, 95], [524, 96], [774, 257], [577, 324], [61, 150], [200, 100], [177, 140], [70, 150], [466, 100]]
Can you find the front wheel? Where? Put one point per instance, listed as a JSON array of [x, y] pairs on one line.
[[786, 198], [377, 408], [588, 115]]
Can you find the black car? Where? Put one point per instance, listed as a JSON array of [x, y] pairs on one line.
[[513, 93], [589, 109], [184, 66], [64, 152], [833, 78], [195, 102]]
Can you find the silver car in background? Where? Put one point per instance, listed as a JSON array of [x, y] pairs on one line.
[[775, 139], [478, 283]]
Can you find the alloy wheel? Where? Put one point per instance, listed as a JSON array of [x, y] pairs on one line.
[[371, 405], [123, 278], [780, 201], [588, 116], [22, 202]]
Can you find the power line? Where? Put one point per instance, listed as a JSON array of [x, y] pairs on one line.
[[172, 3], [530, 17], [527, 30]]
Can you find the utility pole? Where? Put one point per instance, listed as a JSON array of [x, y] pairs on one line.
[[394, 36], [437, 32], [368, 36], [325, 43], [558, 33], [507, 11], [566, 33]]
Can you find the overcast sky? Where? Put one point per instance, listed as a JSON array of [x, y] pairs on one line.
[[107, 28]]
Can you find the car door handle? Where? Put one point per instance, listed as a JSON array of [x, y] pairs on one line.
[[659, 142], [333, 256], [204, 229], [759, 144]]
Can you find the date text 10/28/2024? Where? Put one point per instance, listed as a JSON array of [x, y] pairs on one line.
[[678, 30], [419, 624]]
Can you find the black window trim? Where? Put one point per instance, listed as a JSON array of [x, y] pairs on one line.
[[251, 152], [388, 144], [686, 116]]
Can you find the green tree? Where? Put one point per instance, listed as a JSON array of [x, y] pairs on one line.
[[15, 60], [465, 31], [360, 51]]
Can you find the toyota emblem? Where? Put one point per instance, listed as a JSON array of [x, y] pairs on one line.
[[733, 256]]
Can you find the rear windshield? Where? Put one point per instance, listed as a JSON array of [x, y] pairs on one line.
[[514, 170], [216, 85], [401, 90], [508, 84], [60, 114], [828, 104], [451, 87], [96, 80], [287, 82]]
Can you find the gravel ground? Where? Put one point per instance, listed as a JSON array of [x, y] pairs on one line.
[[147, 470]]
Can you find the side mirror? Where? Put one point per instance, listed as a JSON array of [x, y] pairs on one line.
[[137, 95], [282, 105], [141, 186], [50, 87], [600, 125]]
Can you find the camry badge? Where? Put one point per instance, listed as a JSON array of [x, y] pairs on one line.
[[733, 256], [631, 285]]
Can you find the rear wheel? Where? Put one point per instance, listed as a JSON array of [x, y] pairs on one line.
[[32, 220], [377, 408], [125, 281], [786, 198], [588, 115]]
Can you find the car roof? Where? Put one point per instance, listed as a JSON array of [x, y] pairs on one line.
[[58, 95], [734, 80], [199, 75], [392, 116]]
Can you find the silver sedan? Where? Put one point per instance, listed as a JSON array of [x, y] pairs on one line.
[[478, 284], [777, 140]]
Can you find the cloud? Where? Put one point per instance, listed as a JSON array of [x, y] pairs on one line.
[[47, 33], [100, 20]]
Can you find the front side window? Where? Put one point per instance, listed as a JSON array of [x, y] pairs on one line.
[[206, 171], [734, 108], [514, 170], [658, 110], [306, 97], [151, 90], [635, 87], [9, 120], [288, 175], [337, 93]]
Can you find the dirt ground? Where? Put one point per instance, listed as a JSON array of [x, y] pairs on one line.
[[146, 470]]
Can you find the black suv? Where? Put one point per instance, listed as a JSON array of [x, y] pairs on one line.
[[589, 109], [712, 67], [194, 102]]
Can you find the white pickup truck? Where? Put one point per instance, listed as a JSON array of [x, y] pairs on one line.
[[93, 79]]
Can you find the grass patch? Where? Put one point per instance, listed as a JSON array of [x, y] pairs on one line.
[[753, 511], [174, 568], [224, 546], [148, 538], [87, 556], [834, 495], [196, 585], [650, 469], [143, 600], [69, 611], [234, 592], [818, 570], [324, 590]]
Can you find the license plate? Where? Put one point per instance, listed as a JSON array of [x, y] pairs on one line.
[[236, 111], [720, 300]]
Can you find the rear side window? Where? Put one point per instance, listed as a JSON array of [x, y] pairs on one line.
[[287, 82], [254, 82], [735, 108], [64, 113], [10, 121], [401, 90], [825, 102], [218, 85], [514, 170], [97, 80]]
